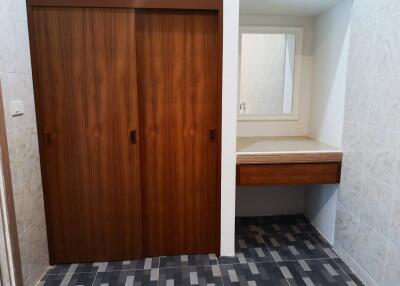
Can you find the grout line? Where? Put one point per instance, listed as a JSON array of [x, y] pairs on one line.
[[136, 269], [94, 279], [16, 73], [347, 274], [220, 271], [27, 227], [158, 269], [394, 201], [276, 263]]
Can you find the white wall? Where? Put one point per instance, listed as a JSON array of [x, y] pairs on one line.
[[331, 45], [320, 208], [269, 201], [229, 118], [285, 128], [331, 42]]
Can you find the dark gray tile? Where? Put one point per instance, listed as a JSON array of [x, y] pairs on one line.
[[288, 246], [116, 278], [252, 249], [355, 279], [348, 271], [342, 265], [268, 225], [320, 239], [288, 224], [200, 275], [73, 268], [148, 263], [130, 277], [230, 260], [267, 273], [314, 272], [187, 260], [146, 277], [84, 279]]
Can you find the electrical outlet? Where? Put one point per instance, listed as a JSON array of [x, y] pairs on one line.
[[17, 108]]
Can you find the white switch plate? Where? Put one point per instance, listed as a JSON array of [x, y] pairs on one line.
[[17, 108]]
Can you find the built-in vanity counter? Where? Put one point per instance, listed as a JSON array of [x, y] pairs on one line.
[[286, 161]]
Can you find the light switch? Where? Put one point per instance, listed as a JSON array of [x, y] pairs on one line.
[[17, 108]]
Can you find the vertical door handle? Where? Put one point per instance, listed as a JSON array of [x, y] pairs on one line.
[[48, 139], [133, 136], [213, 134]]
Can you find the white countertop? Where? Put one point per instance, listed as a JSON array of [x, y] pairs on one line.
[[282, 145]]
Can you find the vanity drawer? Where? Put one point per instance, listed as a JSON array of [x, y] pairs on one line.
[[288, 174]]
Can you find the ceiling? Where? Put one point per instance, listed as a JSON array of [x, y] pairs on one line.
[[286, 7]]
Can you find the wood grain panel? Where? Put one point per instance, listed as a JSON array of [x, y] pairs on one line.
[[178, 86], [289, 158], [166, 4], [288, 174], [86, 98]]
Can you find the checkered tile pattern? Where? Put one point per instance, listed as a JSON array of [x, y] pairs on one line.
[[281, 250]]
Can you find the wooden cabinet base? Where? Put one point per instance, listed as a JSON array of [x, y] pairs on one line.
[[288, 174]]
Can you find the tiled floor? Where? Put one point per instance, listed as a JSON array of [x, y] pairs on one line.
[[283, 250]]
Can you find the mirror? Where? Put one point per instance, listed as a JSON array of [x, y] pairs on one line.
[[267, 72]]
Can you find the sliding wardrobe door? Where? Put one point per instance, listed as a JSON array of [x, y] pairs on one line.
[[86, 97], [178, 73]]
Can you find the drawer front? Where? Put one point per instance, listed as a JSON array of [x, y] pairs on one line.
[[288, 174]]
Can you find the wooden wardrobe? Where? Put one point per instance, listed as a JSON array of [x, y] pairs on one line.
[[128, 103]]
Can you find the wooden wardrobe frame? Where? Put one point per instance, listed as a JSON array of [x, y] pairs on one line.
[[214, 5]]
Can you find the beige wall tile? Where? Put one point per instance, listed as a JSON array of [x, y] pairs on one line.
[[395, 223], [3, 10], [376, 205], [364, 12], [36, 243], [350, 193], [17, 55], [397, 179], [361, 48], [370, 252], [32, 190], [19, 207], [3, 41], [387, 46], [388, 8], [27, 154], [381, 154], [385, 104], [345, 230], [16, 10], [24, 257], [392, 269], [354, 145], [12, 156], [357, 99]]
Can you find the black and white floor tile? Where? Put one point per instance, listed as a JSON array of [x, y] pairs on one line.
[[280, 250]]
